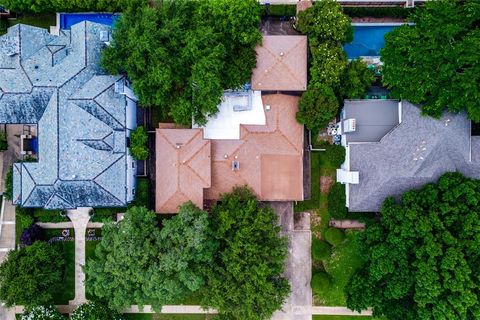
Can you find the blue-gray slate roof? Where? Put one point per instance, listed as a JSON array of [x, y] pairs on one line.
[[56, 83], [417, 151]]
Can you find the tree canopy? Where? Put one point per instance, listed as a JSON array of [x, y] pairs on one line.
[[136, 262], [245, 281], [181, 54], [434, 62], [423, 255], [30, 275], [38, 6], [332, 77]]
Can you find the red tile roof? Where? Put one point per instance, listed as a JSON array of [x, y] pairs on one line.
[[281, 64], [182, 167]]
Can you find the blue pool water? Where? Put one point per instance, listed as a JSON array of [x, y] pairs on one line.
[[367, 41], [69, 19]]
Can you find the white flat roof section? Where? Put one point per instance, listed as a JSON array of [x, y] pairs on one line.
[[235, 109]]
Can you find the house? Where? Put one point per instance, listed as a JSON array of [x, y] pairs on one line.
[[78, 119], [254, 139], [391, 148]]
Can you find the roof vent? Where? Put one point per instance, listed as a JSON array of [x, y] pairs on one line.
[[267, 107], [235, 165], [74, 176], [282, 54]]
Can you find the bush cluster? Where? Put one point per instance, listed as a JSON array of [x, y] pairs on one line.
[[336, 201], [321, 250], [321, 282], [334, 236], [43, 215]]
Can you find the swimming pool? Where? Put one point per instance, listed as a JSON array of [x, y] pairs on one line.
[[368, 40], [69, 19]]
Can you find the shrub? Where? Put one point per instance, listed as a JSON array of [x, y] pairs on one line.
[[321, 250], [106, 214], [8, 193], [3, 135], [43, 215], [138, 143], [94, 311], [23, 218], [31, 234], [334, 236], [321, 282], [335, 155], [378, 12], [42, 313], [337, 201]]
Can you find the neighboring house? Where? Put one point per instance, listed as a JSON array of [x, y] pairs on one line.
[[254, 140], [82, 116], [391, 148]]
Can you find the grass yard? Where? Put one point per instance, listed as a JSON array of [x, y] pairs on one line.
[[345, 260], [341, 317], [166, 317], [67, 291], [341, 265]]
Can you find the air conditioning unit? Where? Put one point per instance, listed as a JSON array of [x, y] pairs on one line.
[[349, 125]]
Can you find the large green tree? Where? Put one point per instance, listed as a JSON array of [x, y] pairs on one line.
[[245, 281], [137, 262], [181, 54], [38, 6], [30, 275], [423, 255], [434, 62], [327, 28]]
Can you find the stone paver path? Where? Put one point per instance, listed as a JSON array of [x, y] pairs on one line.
[[346, 224], [79, 218]]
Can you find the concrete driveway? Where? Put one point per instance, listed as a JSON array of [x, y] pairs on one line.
[[298, 305]]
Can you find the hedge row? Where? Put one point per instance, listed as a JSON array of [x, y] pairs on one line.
[[337, 201], [282, 10], [378, 12]]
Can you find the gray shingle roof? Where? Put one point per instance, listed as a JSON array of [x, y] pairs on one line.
[[56, 83], [417, 151]]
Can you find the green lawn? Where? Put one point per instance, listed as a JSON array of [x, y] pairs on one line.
[[166, 317], [67, 290], [340, 317]]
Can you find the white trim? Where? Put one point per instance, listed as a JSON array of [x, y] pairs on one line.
[[400, 108]]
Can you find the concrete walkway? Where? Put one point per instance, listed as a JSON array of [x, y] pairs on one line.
[[339, 311], [67, 225], [79, 218]]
